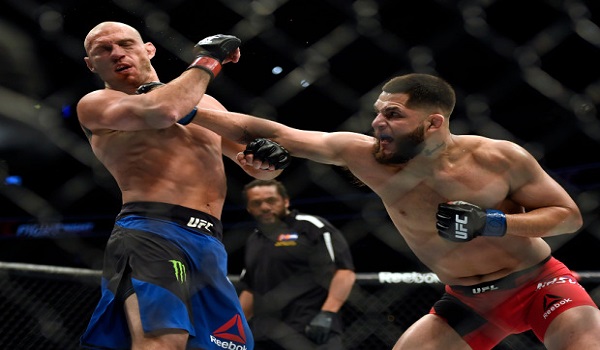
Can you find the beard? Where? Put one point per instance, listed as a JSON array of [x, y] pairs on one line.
[[406, 148], [274, 224]]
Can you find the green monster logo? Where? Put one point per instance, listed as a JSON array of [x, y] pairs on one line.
[[179, 268]]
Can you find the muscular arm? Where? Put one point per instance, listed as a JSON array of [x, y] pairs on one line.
[[339, 290], [549, 210], [322, 147], [231, 149], [157, 109]]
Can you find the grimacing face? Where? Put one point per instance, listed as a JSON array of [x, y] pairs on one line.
[[392, 145], [118, 55], [406, 148], [266, 205]]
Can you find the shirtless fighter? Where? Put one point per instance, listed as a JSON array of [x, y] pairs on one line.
[[164, 280], [473, 209]]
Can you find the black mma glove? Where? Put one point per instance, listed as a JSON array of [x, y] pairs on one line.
[[212, 51], [319, 327], [270, 151], [145, 88], [461, 221]]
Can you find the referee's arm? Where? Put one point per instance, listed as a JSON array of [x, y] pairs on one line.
[[247, 301], [339, 290]]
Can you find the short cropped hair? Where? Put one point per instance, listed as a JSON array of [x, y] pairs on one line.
[[256, 183], [424, 91]]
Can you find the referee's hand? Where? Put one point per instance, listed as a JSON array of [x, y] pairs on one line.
[[319, 327]]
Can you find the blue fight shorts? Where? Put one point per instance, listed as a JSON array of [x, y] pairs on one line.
[[172, 258]]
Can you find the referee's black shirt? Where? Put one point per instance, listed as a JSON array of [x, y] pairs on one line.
[[288, 268]]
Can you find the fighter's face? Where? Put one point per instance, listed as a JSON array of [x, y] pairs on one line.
[[401, 149], [119, 56], [398, 130]]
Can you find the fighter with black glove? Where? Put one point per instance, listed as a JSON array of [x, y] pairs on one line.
[[210, 54], [319, 328], [461, 221], [270, 151], [212, 51]]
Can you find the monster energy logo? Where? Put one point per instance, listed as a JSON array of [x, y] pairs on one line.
[[179, 268]]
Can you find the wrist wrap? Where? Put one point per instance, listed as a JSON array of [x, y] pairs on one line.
[[211, 65], [495, 223]]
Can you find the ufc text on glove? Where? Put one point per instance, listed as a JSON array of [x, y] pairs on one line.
[[461, 221]]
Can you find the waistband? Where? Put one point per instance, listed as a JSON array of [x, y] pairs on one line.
[[190, 218], [512, 280]]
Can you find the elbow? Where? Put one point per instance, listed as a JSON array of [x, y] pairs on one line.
[[573, 222], [164, 118], [171, 119], [577, 221], [170, 115], [348, 275], [353, 277]]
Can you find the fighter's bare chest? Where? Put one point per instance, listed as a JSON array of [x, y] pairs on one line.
[[478, 187]]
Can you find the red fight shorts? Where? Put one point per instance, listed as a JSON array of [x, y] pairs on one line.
[[530, 299]]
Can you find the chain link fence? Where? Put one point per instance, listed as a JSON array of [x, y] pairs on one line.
[[48, 307], [525, 71]]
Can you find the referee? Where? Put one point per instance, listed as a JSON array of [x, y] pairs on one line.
[[298, 273]]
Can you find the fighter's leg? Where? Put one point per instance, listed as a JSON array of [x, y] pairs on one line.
[[430, 332], [174, 339], [575, 329]]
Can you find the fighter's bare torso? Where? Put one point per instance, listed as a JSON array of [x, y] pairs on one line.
[[471, 170], [181, 165]]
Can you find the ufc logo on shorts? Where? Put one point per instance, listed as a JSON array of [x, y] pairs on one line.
[[460, 230], [199, 223]]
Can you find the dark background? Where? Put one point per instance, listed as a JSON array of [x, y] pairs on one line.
[[525, 71]]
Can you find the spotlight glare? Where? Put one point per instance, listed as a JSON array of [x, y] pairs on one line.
[[66, 111], [13, 180]]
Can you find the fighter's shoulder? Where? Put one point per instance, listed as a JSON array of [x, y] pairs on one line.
[[102, 94], [91, 107], [485, 143], [496, 150], [97, 99], [87, 104]]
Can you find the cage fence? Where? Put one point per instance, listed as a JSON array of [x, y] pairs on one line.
[[522, 73], [48, 307]]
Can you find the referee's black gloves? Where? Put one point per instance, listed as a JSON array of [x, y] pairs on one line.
[[319, 327]]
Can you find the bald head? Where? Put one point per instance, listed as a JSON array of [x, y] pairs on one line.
[[110, 27], [116, 52]]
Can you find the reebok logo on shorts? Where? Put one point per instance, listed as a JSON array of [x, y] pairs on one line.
[[233, 333], [553, 302], [179, 268]]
